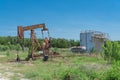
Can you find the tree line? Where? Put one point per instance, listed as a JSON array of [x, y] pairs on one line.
[[55, 42]]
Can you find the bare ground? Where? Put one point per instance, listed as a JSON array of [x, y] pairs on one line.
[[7, 72]]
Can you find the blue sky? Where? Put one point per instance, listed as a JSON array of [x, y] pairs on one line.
[[64, 18]]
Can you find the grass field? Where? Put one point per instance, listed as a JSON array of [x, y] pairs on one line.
[[70, 67]]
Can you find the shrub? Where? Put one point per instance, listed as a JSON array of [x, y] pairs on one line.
[[18, 48], [116, 51], [113, 73], [4, 48], [111, 51], [7, 53], [10, 47], [73, 74], [79, 74]]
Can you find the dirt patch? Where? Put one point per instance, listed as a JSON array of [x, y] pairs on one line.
[[7, 71], [2, 78], [2, 55], [95, 66]]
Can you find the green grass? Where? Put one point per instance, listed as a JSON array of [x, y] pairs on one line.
[[73, 67]]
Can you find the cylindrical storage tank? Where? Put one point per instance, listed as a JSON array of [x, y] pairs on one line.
[[87, 41]]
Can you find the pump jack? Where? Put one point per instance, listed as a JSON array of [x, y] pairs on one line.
[[34, 43]]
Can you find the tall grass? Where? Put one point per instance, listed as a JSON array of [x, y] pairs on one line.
[[67, 68]]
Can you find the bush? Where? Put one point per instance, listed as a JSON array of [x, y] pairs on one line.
[[18, 48], [111, 51], [116, 51], [10, 47], [7, 53], [79, 74], [73, 74], [4, 48], [113, 73]]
